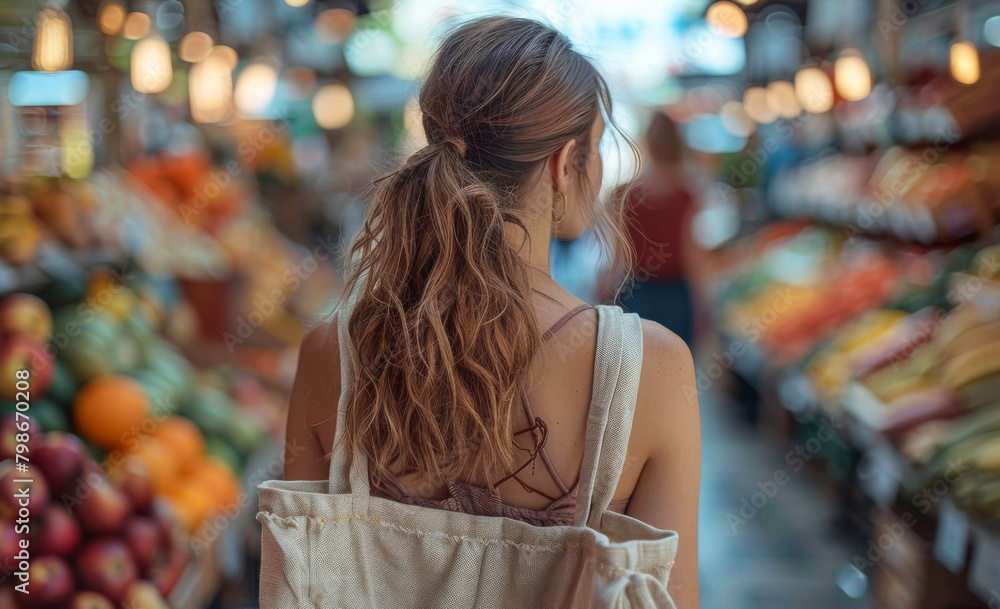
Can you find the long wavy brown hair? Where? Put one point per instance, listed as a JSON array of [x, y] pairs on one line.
[[443, 326]]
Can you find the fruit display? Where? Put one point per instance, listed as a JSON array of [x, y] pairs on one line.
[[902, 339], [194, 190], [87, 542], [922, 194], [965, 452], [203, 245], [106, 384], [178, 217], [803, 287], [44, 209]]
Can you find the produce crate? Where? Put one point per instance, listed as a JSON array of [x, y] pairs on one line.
[[200, 582]]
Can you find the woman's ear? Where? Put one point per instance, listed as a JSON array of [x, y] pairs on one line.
[[561, 164]]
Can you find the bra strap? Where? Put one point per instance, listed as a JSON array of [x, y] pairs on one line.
[[562, 321], [542, 452]]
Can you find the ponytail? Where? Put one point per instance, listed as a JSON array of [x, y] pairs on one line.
[[443, 327]]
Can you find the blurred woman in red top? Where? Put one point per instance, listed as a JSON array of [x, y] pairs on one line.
[[658, 212]]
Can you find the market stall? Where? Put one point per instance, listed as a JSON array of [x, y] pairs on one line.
[[151, 303], [862, 305]]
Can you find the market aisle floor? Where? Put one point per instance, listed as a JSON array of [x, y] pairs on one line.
[[786, 555]]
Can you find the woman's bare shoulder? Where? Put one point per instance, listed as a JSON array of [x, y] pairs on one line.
[[668, 393], [320, 340], [664, 350], [316, 390]]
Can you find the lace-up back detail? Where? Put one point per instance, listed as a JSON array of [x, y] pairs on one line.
[[477, 500]]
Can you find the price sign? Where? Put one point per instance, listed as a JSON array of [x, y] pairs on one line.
[[952, 538]]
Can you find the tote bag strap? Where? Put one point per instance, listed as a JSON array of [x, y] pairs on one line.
[[617, 364], [347, 477]]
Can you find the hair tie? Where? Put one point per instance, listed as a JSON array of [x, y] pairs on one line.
[[457, 142]]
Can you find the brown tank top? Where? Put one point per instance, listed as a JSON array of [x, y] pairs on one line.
[[480, 501]]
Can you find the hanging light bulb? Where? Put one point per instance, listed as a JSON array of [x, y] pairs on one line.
[[53, 49], [152, 69], [255, 87], [747, 2], [296, 3], [136, 25], [726, 19], [756, 106], [964, 62], [112, 17], [194, 46], [781, 99], [852, 76], [210, 86], [333, 106], [814, 90]]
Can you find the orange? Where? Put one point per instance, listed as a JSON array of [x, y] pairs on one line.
[[191, 504], [218, 481], [110, 409], [163, 466], [183, 438]]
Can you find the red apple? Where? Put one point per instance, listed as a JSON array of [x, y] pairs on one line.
[[90, 600], [50, 582], [25, 314], [56, 532], [101, 507], [132, 477], [60, 457], [22, 352], [142, 536], [11, 426], [14, 496], [144, 595], [10, 541], [105, 566]]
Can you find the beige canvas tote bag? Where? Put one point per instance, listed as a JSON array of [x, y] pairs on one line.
[[330, 544]]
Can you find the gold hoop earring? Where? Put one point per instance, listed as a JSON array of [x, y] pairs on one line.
[[559, 219]]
